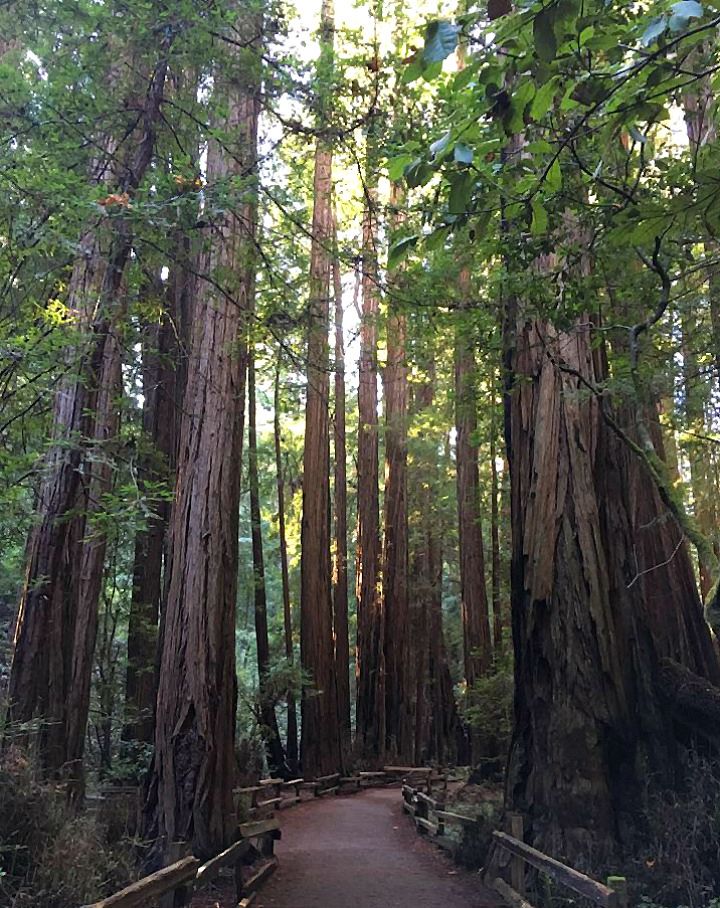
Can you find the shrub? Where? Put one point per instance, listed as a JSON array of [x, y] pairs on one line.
[[49, 855]]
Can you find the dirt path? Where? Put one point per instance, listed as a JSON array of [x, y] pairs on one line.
[[362, 851]]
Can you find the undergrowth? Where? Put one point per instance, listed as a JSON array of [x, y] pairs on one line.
[[49, 855]]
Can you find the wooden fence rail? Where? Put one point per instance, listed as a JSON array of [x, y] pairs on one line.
[[612, 895], [174, 885], [432, 818]]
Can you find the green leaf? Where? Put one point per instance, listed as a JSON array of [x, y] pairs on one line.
[[441, 39], [399, 250], [553, 178], [539, 218], [461, 191], [437, 238], [412, 71], [544, 35], [396, 166], [418, 173], [542, 101], [463, 154], [653, 31]]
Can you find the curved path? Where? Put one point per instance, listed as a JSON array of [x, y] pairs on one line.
[[361, 851]]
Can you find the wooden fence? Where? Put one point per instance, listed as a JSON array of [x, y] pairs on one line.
[[432, 818], [175, 884], [612, 895], [429, 812]]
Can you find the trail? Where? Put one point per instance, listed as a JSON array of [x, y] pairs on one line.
[[360, 851]]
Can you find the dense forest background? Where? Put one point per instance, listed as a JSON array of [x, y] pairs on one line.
[[359, 388]]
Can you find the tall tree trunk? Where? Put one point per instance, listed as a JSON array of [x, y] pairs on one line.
[[159, 364], [276, 756], [370, 666], [320, 740], [591, 727], [474, 605], [398, 685], [190, 791], [436, 719], [57, 619], [292, 729], [495, 526], [340, 572]]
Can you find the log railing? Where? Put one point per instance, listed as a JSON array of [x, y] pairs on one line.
[[612, 895], [429, 812], [174, 885]]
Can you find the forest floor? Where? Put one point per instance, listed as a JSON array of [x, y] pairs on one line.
[[361, 851]]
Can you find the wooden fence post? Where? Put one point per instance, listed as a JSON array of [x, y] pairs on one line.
[[619, 885], [517, 864]]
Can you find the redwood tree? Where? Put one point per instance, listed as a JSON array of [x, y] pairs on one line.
[[474, 604], [395, 560], [320, 741], [190, 794], [276, 756], [340, 572], [370, 666], [57, 619]]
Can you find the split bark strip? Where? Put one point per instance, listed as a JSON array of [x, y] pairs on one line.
[[320, 744], [292, 728]]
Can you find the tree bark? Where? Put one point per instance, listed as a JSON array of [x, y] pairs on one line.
[[396, 609], [371, 726], [159, 369], [57, 619], [292, 729], [474, 605], [495, 528], [320, 737], [273, 744], [190, 791], [340, 573], [590, 730], [437, 727]]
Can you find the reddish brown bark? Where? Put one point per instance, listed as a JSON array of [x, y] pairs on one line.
[[495, 529], [591, 731], [474, 605], [320, 741], [340, 572], [396, 610], [273, 744], [57, 618], [370, 660], [292, 729], [190, 793], [436, 721], [159, 365]]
